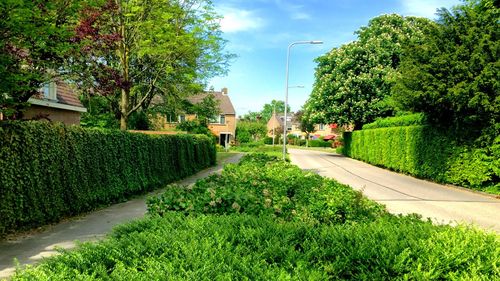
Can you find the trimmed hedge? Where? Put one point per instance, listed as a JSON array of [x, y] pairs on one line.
[[398, 121], [49, 171], [427, 152], [320, 143]]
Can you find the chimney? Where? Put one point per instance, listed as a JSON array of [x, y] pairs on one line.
[[224, 91]]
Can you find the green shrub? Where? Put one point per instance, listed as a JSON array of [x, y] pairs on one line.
[[311, 229], [243, 247], [263, 185], [268, 140], [320, 143], [49, 171], [427, 152], [398, 121]]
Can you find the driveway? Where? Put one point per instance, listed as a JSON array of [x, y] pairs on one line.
[[31, 248], [403, 194]]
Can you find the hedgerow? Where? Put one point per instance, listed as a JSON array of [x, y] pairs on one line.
[[427, 152], [50, 171], [250, 243], [398, 121]]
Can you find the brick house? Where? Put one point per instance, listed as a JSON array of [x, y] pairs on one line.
[[56, 102], [222, 126]]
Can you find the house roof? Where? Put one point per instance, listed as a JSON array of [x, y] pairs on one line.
[[225, 104], [66, 95], [66, 99]]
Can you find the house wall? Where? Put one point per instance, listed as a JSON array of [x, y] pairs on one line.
[[230, 126], [216, 129], [54, 114]]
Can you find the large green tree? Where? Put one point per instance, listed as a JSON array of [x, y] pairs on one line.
[[136, 50], [352, 82], [35, 38], [267, 111], [453, 74]]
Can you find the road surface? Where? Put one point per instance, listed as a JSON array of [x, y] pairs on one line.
[[403, 194]]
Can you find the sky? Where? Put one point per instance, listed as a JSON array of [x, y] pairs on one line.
[[259, 32]]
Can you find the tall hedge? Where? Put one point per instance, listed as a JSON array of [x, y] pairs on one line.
[[427, 152], [50, 171]]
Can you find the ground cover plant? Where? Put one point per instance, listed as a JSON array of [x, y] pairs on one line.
[[281, 224]]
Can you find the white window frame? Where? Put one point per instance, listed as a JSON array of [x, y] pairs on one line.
[[49, 91]]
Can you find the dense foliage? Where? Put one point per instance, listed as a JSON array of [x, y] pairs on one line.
[[352, 82], [267, 111], [453, 74], [34, 41], [428, 152], [260, 188], [51, 171], [255, 235], [147, 49], [398, 121], [248, 131]]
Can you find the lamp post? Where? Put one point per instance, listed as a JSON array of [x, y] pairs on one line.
[[286, 89]]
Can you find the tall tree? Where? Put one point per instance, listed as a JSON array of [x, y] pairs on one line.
[[352, 82], [34, 39], [138, 49], [453, 75], [267, 110], [306, 125]]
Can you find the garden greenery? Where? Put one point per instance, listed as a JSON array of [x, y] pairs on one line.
[[404, 120], [428, 152], [49, 171], [268, 220]]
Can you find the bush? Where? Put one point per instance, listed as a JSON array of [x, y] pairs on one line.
[[249, 240], [50, 171], [194, 127], [320, 143], [247, 131], [427, 152], [398, 121], [262, 185]]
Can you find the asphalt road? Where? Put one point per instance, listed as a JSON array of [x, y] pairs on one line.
[[403, 194]]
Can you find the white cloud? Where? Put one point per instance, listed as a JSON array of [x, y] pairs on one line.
[[295, 12], [300, 16], [425, 8], [238, 20]]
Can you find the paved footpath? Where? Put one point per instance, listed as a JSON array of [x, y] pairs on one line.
[[29, 249], [403, 194]]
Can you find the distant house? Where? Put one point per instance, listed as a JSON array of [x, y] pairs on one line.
[[325, 131], [223, 126], [276, 122], [56, 102]]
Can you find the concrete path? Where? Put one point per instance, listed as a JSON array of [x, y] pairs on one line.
[[403, 194], [31, 248]]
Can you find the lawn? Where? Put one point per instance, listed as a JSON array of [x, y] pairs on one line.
[[263, 219]]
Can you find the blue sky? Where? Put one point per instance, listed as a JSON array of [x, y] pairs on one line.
[[259, 32]]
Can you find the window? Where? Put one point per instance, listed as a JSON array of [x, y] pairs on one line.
[[182, 118], [221, 119], [321, 127], [49, 91]]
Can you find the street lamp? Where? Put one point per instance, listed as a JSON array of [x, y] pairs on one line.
[[286, 88]]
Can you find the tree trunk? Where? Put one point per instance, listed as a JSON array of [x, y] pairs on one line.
[[124, 109]]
